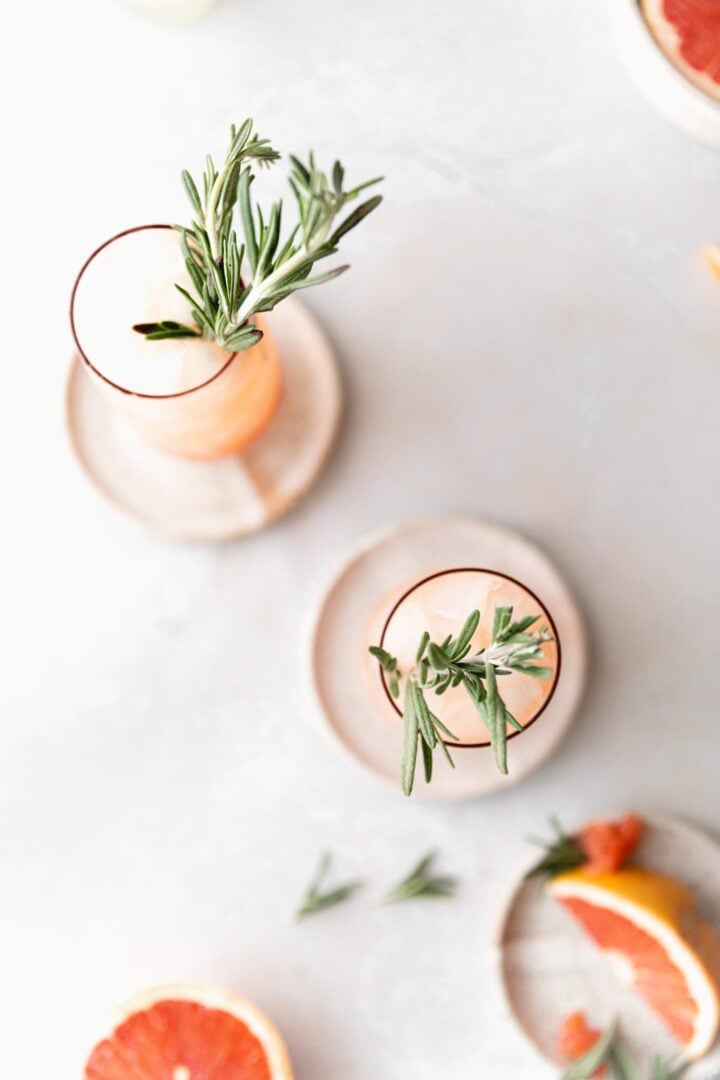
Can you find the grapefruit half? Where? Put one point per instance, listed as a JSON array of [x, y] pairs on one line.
[[688, 32], [190, 1033], [651, 924]]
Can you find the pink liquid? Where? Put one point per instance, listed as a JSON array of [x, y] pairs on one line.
[[440, 605]]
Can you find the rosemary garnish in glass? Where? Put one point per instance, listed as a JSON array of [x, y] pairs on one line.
[[441, 665], [233, 280]]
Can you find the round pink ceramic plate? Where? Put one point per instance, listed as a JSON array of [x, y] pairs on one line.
[[349, 617], [549, 968], [210, 501]]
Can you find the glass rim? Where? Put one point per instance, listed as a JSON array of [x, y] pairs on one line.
[[451, 743], [86, 360]]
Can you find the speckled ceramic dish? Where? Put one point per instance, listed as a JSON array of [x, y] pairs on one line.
[[350, 616], [229, 497], [549, 968]]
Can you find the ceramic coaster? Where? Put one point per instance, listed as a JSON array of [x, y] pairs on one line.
[[548, 967], [218, 500], [662, 85], [343, 676]]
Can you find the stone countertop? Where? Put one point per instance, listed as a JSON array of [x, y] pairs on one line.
[[527, 335]]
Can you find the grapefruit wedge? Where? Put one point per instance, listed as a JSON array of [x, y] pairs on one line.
[[651, 924], [688, 32], [190, 1033], [711, 255]]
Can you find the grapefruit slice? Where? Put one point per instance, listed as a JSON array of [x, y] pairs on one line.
[[688, 32], [651, 924], [608, 844], [711, 255], [190, 1033]]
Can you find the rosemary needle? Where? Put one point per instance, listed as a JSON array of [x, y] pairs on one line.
[[315, 899], [421, 883]]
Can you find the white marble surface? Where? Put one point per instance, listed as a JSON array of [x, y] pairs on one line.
[[527, 334]]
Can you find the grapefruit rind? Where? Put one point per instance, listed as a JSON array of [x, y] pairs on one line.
[[257, 1022], [668, 38], [632, 895], [711, 257]]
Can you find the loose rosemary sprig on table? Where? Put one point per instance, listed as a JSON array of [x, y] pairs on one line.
[[610, 1052], [315, 899], [232, 280], [441, 665], [421, 883]]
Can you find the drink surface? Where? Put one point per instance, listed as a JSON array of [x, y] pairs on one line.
[[132, 280], [440, 605]]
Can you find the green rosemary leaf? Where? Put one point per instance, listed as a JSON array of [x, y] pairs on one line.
[[533, 670], [166, 329], [438, 657], [441, 727], [288, 249], [442, 684], [520, 626], [465, 636], [362, 187], [623, 1065], [270, 242], [494, 711], [427, 760], [322, 278], [665, 1070], [383, 657], [421, 883], [192, 192], [425, 721], [410, 740], [241, 137], [195, 275], [422, 646], [303, 174], [244, 340], [338, 175], [246, 216], [511, 720], [355, 218], [584, 1067], [446, 752], [561, 854], [315, 899], [197, 311], [502, 617]]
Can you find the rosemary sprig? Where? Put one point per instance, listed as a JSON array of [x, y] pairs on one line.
[[441, 665], [419, 882], [315, 899], [585, 1066], [610, 1052], [563, 853], [234, 281]]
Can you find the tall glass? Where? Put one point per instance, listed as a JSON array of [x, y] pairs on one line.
[[184, 396]]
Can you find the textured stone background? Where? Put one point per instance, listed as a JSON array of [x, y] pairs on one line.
[[527, 334]]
